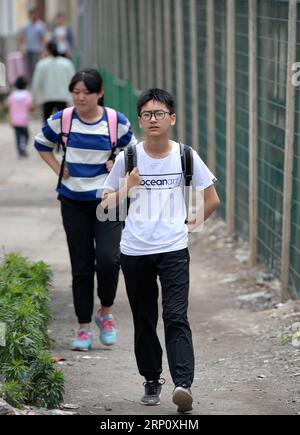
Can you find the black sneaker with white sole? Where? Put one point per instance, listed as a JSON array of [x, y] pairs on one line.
[[182, 397], [152, 392]]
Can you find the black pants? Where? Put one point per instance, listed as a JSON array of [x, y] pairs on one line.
[[22, 138], [32, 60], [93, 246], [51, 107], [141, 283]]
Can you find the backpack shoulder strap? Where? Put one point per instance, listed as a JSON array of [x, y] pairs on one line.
[[187, 162], [112, 118], [66, 125], [130, 154]]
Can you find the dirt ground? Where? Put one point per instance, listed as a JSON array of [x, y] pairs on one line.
[[245, 361]]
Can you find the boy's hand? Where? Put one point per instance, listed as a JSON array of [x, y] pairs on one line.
[[133, 179], [109, 165], [191, 224]]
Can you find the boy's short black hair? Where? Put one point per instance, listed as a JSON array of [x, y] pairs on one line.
[[21, 83], [159, 95]]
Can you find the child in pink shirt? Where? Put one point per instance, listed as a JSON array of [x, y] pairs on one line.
[[20, 104]]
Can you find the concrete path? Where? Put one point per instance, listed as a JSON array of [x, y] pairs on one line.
[[242, 365]]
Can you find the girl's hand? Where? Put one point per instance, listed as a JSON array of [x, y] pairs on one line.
[[133, 179], [109, 165], [66, 174]]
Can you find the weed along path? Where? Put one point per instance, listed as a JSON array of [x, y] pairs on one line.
[[245, 360]]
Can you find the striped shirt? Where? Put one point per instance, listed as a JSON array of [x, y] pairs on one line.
[[88, 151]]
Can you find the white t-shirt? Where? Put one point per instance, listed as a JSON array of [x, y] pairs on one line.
[[156, 220]]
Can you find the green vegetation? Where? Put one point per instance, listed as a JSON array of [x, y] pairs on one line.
[[28, 375], [3, 111]]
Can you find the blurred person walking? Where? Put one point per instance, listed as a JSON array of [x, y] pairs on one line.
[[19, 104], [51, 79], [33, 37], [63, 36], [94, 246]]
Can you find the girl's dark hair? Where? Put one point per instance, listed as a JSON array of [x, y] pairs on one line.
[[92, 80], [52, 49], [159, 95], [21, 83]]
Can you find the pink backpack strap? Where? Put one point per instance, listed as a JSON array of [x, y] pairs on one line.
[[112, 118], [66, 125]]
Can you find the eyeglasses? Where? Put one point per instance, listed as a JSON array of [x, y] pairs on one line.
[[159, 115]]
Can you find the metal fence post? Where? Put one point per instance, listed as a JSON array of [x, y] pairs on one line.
[[105, 32], [158, 43], [289, 150], [111, 45], [253, 124], [124, 39], [211, 87], [133, 45], [194, 73], [116, 36], [149, 45], [167, 30], [230, 169], [143, 45], [180, 70]]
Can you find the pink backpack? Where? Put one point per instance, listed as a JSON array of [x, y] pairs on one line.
[[66, 126], [16, 67]]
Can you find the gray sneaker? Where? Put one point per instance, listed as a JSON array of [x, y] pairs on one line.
[[182, 397], [152, 392]]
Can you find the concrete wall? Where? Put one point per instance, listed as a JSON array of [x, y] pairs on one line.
[[8, 22]]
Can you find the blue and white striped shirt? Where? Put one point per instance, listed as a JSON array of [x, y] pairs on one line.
[[88, 151]]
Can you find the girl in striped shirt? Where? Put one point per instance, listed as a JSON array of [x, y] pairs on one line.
[[94, 246]]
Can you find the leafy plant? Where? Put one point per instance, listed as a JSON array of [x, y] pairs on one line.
[[13, 393], [15, 370], [28, 373], [46, 382]]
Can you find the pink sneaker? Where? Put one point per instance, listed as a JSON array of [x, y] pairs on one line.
[[108, 333], [83, 341]]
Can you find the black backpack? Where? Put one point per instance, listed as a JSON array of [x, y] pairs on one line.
[[187, 163]]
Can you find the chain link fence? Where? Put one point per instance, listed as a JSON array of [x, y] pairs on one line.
[[294, 278], [242, 120], [220, 30], [182, 45], [272, 80]]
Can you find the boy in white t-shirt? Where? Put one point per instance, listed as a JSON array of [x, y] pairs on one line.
[[155, 245]]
